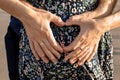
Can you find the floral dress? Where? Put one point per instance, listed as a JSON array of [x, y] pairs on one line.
[[99, 68]]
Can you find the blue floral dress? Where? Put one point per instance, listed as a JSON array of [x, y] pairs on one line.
[[99, 68]]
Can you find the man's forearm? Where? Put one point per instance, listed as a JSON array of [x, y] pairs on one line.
[[16, 8], [112, 21], [104, 8]]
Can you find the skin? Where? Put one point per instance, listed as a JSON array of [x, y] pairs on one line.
[[95, 28], [85, 44], [38, 23], [101, 11]]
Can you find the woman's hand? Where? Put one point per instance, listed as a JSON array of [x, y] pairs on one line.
[[85, 44], [40, 36]]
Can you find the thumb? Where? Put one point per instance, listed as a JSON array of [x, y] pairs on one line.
[[73, 21], [57, 20]]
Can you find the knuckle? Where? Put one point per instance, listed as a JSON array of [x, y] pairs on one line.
[[49, 15], [47, 33], [76, 51]]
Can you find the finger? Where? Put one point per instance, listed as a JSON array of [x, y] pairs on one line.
[[48, 53], [53, 42], [81, 54], [74, 20], [76, 58], [76, 42], [92, 53], [57, 20], [40, 52], [33, 50], [48, 45], [83, 47], [72, 54], [83, 58]]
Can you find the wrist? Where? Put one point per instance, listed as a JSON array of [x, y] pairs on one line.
[[103, 24], [27, 15]]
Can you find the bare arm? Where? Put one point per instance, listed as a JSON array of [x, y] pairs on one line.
[[91, 31], [89, 36], [112, 21], [16, 8], [36, 22], [104, 8], [29, 5]]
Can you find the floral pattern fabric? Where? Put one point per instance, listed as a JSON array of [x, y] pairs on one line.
[[99, 68]]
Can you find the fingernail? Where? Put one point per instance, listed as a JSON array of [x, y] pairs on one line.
[[88, 60], [59, 57], [65, 59], [80, 64], [55, 62], [46, 62], [71, 63], [37, 58]]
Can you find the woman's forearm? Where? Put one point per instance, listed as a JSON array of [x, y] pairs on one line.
[[28, 4], [104, 8], [16, 9]]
